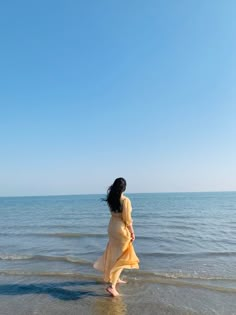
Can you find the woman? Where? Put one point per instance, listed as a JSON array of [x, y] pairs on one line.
[[119, 253]]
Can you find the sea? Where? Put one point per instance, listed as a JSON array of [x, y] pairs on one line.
[[186, 243]]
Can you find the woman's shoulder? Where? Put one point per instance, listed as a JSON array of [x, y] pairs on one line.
[[125, 199]]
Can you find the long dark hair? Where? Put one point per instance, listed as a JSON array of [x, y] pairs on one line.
[[114, 193]]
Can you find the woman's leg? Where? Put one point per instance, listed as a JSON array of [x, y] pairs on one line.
[[115, 277], [121, 281]]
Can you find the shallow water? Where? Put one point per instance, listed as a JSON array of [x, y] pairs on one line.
[[186, 243]]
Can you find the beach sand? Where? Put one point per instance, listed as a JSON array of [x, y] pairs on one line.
[[70, 296]]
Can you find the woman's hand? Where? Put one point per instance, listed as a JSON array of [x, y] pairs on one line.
[[132, 237]]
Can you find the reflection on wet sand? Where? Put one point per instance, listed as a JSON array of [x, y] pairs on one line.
[[109, 306]]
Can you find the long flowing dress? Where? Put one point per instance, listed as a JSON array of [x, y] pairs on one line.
[[119, 253]]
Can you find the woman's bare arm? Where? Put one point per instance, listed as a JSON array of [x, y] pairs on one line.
[[131, 230]]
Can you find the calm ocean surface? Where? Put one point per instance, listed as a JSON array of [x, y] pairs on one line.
[[186, 243]]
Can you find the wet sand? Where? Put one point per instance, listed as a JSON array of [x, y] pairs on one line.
[[57, 296]]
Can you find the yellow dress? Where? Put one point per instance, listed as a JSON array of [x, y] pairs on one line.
[[119, 253]]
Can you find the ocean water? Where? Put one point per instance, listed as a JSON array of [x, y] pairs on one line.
[[186, 243]]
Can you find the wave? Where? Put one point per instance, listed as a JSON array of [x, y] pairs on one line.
[[69, 235], [176, 227], [57, 234], [181, 275], [212, 283], [143, 278], [46, 258], [75, 235], [140, 274], [49, 274], [70, 258], [189, 254]]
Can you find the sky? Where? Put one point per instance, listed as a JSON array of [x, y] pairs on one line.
[[94, 90]]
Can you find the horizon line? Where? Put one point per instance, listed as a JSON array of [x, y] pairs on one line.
[[129, 193]]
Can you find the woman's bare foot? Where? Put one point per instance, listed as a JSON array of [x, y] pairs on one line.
[[112, 291], [121, 281]]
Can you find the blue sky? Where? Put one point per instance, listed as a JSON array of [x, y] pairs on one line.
[[94, 90]]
